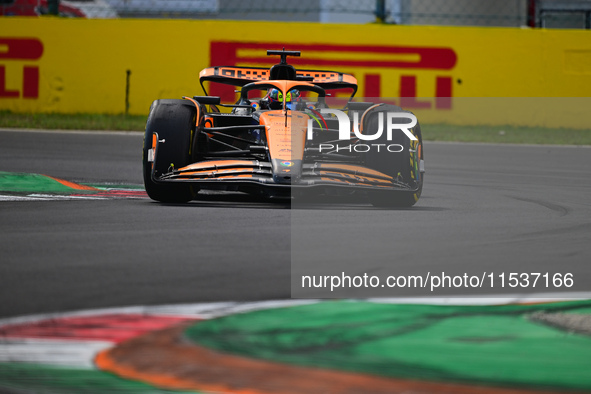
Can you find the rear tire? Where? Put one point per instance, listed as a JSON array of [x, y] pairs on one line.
[[174, 122], [402, 165]]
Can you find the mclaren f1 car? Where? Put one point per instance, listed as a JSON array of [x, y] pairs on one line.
[[279, 137]]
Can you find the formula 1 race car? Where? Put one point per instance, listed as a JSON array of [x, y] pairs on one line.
[[281, 138]]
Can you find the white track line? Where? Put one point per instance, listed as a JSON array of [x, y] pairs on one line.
[[210, 310], [66, 353]]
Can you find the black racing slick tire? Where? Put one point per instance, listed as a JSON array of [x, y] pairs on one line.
[[174, 123], [403, 165]]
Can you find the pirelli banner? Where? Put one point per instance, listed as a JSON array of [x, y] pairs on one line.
[[114, 66]]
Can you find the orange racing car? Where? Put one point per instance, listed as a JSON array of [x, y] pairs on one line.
[[281, 139]]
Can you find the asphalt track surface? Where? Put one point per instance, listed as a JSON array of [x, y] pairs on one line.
[[493, 208]]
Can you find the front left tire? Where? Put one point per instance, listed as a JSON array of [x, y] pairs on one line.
[[403, 166]]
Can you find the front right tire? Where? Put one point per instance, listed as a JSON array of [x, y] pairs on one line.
[[174, 123]]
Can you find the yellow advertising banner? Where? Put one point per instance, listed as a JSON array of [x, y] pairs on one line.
[[110, 66]]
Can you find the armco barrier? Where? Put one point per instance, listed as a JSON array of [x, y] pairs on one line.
[[75, 65]]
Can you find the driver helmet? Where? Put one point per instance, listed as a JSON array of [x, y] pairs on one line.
[[276, 96], [292, 98]]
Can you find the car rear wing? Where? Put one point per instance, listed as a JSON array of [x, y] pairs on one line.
[[240, 76]]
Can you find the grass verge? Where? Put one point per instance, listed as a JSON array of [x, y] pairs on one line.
[[119, 122], [431, 132]]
